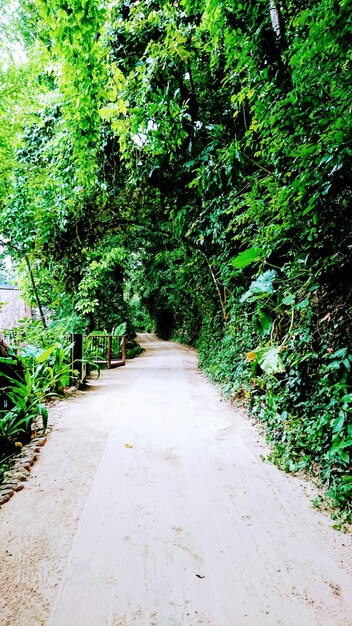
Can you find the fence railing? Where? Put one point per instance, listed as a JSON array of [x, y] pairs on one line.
[[105, 351]]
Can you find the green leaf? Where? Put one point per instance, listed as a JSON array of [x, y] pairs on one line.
[[262, 321], [269, 360], [347, 398], [289, 299], [338, 424], [43, 356], [119, 330], [339, 448], [247, 257], [44, 413], [339, 354], [260, 287], [344, 455], [303, 304], [345, 443]]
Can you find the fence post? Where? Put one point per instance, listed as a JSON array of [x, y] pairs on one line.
[[109, 351], [77, 358], [123, 348]]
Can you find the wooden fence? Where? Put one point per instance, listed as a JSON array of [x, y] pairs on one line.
[[104, 351]]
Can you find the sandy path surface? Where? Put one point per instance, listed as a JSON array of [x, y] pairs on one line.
[[150, 506]]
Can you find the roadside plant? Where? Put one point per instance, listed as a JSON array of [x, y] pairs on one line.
[[45, 375]]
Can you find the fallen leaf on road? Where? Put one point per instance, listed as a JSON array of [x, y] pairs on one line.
[[128, 445], [199, 576]]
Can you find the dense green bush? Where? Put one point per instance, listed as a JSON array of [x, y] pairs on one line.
[[304, 399], [30, 376]]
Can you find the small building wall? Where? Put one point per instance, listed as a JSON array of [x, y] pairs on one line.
[[15, 308]]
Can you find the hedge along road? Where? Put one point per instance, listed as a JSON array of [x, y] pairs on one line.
[[150, 505]]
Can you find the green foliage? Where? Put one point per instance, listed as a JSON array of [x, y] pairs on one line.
[[261, 287], [29, 377], [119, 330], [27, 396], [247, 257], [30, 332], [44, 375], [269, 360]]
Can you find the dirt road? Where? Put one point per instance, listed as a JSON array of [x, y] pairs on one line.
[[150, 506]]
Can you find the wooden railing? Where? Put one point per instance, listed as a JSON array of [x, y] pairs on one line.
[[106, 351]]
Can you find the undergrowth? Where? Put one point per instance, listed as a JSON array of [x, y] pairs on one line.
[[304, 400]]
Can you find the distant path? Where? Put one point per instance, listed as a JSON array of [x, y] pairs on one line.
[[150, 506]]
